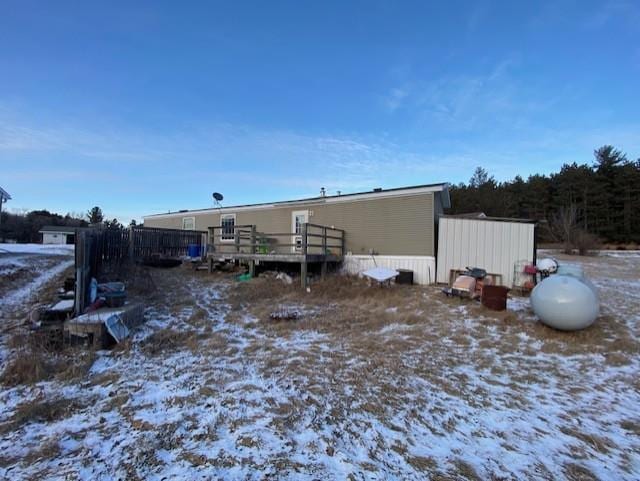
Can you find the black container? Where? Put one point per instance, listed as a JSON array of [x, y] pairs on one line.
[[115, 299], [405, 276], [69, 284]]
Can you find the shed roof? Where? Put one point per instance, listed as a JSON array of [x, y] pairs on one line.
[[59, 229], [477, 216]]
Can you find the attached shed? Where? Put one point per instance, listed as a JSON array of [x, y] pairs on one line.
[[493, 244]]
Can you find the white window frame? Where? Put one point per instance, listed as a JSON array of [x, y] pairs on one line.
[[222, 237], [192, 219]]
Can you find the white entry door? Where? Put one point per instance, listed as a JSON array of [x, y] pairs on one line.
[[298, 217]]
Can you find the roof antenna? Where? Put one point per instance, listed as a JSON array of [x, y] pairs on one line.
[[217, 198]]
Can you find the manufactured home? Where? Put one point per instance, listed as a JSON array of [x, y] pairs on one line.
[[394, 228]]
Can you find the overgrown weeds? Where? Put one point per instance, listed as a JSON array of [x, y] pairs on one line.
[[169, 340], [31, 361], [41, 410]]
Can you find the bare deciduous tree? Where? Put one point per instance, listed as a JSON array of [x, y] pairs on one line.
[[564, 228]]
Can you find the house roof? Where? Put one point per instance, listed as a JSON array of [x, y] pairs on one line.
[[483, 217], [393, 192], [58, 229], [4, 194]]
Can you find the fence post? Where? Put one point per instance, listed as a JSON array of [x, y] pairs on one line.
[[131, 243]]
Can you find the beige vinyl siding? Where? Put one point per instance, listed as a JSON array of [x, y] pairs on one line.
[[389, 226]]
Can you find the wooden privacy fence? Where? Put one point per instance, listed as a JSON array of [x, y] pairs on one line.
[[98, 248], [148, 241]]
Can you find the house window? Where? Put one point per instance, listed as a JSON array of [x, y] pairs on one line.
[[227, 222], [188, 223]]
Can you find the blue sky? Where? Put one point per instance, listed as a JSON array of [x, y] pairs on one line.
[[145, 107]]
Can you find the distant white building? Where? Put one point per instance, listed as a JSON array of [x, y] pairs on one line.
[[57, 234]]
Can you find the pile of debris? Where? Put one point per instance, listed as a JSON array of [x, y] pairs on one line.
[[107, 319]]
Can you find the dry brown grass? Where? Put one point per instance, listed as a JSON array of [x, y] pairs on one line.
[[29, 365], [631, 425], [48, 449], [41, 410], [105, 378], [169, 340], [577, 472], [599, 443]]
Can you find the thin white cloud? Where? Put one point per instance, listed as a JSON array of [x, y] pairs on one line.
[[393, 101], [120, 167], [608, 12]]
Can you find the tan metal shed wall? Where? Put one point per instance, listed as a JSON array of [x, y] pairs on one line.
[[390, 226], [491, 245]]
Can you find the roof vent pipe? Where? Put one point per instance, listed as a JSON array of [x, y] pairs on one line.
[[323, 192], [378, 189]]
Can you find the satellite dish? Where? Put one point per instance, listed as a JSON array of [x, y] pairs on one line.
[[218, 196]]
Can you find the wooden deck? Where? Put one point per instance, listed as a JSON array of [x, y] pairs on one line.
[[314, 244]]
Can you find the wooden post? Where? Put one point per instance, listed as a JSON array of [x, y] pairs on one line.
[[324, 241], [237, 238], [342, 253], [303, 274], [323, 269], [131, 243], [253, 239], [252, 262], [303, 263]]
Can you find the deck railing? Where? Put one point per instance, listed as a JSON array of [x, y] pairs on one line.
[[313, 239]]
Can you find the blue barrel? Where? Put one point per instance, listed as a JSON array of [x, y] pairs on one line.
[[193, 250]]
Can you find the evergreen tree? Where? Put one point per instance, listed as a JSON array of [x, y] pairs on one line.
[[604, 196], [95, 215]]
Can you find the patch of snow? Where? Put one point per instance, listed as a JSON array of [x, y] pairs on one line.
[[23, 293], [518, 304], [46, 249], [63, 305], [620, 254]]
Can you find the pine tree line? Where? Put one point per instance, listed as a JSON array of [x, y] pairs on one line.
[[604, 195]]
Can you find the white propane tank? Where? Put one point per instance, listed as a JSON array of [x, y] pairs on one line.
[[565, 302], [548, 265]]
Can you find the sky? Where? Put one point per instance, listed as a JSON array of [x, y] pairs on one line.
[[148, 107]]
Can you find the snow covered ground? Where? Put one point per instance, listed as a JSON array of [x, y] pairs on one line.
[[42, 249], [25, 269], [368, 384]]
